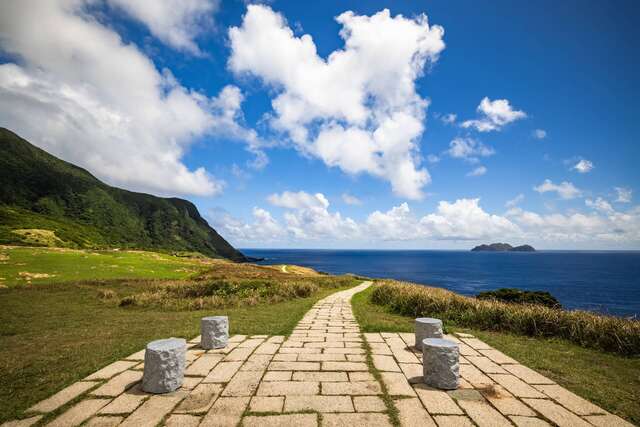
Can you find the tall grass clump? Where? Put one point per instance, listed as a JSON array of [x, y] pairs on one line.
[[586, 329], [203, 294]]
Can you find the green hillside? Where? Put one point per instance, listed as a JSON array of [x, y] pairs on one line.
[[45, 201]]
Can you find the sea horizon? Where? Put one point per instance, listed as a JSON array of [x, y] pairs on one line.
[[441, 250], [602, 281]]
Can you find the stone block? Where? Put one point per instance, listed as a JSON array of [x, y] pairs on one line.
[[359, 419], [427, 327], [288, 420], [318, 404], [153, 410], [344, 366], [164, 363], [441, 363], [385, 363], [266, 404], [397, 384], [244, 383], [483, 414], [437, 401], [453, 421], [320, 376], [182, 420], [223, 372], [411, 413], [521, 421], [63, 396], [79, 413], [227, 411], [556, 413], [289, 388], [358, 388], [118, 384]]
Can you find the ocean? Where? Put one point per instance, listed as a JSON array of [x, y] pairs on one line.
[[606, 282]]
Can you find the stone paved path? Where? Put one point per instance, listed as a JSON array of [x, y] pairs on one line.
[[319, 375]]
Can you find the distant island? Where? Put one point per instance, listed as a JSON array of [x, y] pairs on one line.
[[503, 247]]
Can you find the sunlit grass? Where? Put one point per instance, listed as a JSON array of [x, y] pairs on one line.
[[25, 265]]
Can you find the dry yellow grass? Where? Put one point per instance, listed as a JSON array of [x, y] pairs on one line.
[[223, 269], [584, 328]]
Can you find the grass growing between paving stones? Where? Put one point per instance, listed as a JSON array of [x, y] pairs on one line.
[[608, 380], [392, 411], [52, 335]]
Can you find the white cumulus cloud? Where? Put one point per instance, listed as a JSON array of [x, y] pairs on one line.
[[469, 149], [479, 171], [299, 200], [494, 115], [515, 201], [607, 226], [358, 109], [176, 22], [624, 194], [264, 228], [308, 218], [350, 199], [449, 119], [599, 204], [583, 166], [80, 92], [539, 134], [565, 190]]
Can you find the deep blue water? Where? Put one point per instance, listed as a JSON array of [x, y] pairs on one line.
[[607, 282]]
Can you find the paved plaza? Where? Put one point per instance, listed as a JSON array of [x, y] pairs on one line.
[[322, 375]]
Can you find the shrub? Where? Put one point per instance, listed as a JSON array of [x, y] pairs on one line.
[[520, 296], [587, 329], [203, 294]]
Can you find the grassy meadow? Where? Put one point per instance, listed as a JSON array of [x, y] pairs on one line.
[[610, 380], [56, 330], [25, 265]]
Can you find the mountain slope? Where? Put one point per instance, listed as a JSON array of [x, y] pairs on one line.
[[39, 192]]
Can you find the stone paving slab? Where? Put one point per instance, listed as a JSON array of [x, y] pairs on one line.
[[320, 375], [495, 390], [63, 396]]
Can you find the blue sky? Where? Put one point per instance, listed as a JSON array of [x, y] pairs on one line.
[[340, 124]]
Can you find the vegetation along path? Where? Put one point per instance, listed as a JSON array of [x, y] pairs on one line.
[[326, 374]]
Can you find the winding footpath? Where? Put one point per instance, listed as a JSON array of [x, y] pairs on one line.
[[322, 374]]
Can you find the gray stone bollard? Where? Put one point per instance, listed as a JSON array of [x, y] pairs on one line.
[[441, 363], [426, 327], [164, 362], [214, 332]]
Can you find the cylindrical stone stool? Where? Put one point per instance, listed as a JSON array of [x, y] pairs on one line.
[[164, 362], [426, 327], [214, 332], [440, 361]]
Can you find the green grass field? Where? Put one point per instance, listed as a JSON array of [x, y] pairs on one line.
[[24, 265], [607, 379]]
